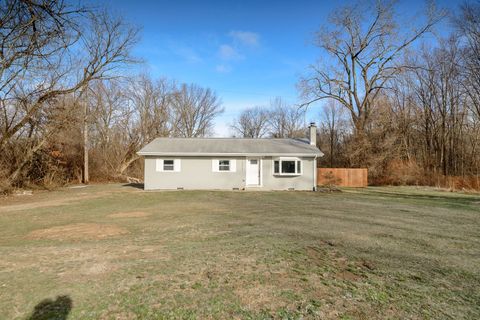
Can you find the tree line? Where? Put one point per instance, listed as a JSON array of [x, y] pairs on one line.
[[402, 101], [408, 113], [66, 103], [278, 120]]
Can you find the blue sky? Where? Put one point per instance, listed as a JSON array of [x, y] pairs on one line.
[[246, 51]]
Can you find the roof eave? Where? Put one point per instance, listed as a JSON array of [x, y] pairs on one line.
[[201, 154]]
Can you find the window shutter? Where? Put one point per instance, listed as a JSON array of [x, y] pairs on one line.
[[233, 165], [177, 165], [159, 165], [214, 165]]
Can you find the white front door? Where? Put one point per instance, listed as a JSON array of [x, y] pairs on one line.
[[253, 172]]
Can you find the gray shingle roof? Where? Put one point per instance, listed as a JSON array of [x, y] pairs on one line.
[[228, 146]]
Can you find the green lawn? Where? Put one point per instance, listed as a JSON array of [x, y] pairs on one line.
[[117, 252]]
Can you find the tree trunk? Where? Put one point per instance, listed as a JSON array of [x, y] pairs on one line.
[[26, 160], [85, 144], [127, 164], [332, 142]]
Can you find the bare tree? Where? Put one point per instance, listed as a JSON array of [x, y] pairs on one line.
[[194, 108], [363, 43], [35, 32], [252, 123], [107, 46], [52, 50], [286, 121], [108, 123], [439, 87], [151, 116], [333, 127], [468, 25]]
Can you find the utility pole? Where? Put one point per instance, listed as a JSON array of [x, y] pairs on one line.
[[85, 139]]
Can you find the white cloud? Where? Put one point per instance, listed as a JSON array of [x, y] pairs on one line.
[[227, 52], [235, 49], [247, 38], [223, 68]]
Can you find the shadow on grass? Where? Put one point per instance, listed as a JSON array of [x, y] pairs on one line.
[[57, 309], [134, 185]]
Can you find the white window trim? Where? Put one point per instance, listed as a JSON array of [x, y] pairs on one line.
[[280, 159], [177, 165], [216, 165]]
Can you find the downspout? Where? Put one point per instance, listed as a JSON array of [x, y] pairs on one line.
[[312, 130], [245, 173]]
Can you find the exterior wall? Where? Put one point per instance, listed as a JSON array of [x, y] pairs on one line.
[[196, 173], [302, 182]]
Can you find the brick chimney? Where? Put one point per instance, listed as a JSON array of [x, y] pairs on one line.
[[312, 129]]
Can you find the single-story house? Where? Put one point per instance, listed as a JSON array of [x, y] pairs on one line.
[[231, 163]]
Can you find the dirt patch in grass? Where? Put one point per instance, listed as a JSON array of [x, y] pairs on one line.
[[44, 200], [78, 231], [260, 297], [347, 275], [131, 214], [96, 268], [34, 205]]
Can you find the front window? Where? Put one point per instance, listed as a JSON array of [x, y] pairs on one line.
[[224, 165], [168, 165], [287, 167]]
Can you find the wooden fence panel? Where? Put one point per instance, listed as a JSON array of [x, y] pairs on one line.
[[342, 177]]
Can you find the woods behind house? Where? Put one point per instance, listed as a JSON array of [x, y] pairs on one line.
[[400, 100], [396, 98], [64, 91]]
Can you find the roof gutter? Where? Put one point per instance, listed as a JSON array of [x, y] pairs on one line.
[[199, 154]]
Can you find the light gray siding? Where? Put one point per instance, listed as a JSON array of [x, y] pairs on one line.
[[302, 182], [196, 173]]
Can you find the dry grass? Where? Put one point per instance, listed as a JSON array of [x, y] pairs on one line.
[[78, 231], [362, 254], [132, 214]]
